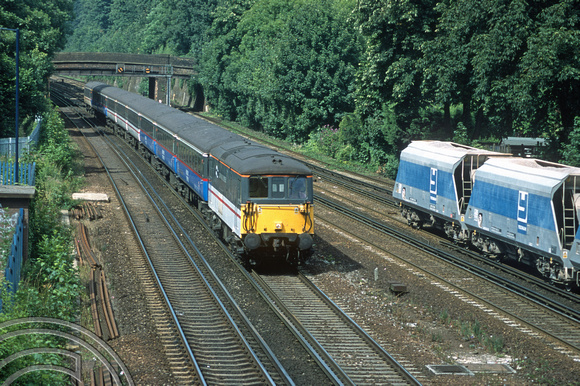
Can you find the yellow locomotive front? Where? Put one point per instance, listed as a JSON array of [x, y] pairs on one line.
[[277, 216], [264, 198]]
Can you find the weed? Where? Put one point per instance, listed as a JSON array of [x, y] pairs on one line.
[[444, 317], [437, 337]]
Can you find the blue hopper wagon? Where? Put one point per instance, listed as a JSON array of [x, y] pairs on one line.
[[434, 184], [527, 210]]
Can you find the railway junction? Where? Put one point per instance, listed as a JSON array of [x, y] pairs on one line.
[[429, 324]]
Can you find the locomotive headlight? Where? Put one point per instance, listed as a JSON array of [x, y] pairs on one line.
[[278, 226]]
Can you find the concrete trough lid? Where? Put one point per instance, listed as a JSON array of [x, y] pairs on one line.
[[449, 370], [490, 368], [100, 197], [398, 287]]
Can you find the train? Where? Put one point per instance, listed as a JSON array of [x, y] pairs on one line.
[[258, 200], [509, 208]]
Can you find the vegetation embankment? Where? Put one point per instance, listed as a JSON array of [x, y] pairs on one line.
[[49, 285]]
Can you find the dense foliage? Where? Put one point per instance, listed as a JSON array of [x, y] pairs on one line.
[[49, 284], [507, 67], [42, 26], [367, 76], [286, 67]]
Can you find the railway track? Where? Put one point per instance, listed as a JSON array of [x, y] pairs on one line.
[[365, 201], [382, 369], [340, 342], [516, 305], [99, 294], [218, 352]]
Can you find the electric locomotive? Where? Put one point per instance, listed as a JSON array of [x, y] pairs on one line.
[[258, 199]]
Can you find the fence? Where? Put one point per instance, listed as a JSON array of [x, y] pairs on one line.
[[14, 261], [26, 175], [8, 145]]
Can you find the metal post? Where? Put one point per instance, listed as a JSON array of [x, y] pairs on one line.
[[16, 131], [168, 90], [16, 110]]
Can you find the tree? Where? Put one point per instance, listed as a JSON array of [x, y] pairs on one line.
[[546, 93], [178, 27], [286, 68], [90, 24], [42, 26], [128, 23], [390, 71]]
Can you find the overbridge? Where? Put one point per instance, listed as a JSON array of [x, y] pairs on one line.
[[154, 67]]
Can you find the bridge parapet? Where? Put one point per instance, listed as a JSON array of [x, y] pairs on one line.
[[122, 64]]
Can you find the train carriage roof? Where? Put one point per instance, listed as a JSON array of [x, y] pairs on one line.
[[443, 155], [198, 132], [540, 177], [114, 92], [242, 155]]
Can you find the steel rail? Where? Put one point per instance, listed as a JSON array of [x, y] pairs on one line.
[[148, 191], [499, 281], [156, 276]]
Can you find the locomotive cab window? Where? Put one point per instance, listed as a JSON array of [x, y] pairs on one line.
[[297, 187], [278, 187], [258, 187]]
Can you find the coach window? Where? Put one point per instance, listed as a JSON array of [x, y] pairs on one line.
[[133, 118], [258, 187], [278, 187], [164, 138], [122, 110], [146, 125]]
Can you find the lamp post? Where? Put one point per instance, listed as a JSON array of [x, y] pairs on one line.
[[16, 114]]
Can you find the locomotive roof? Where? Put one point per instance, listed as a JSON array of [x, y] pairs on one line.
[[250, 158], [244, 156], [444, 155]]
